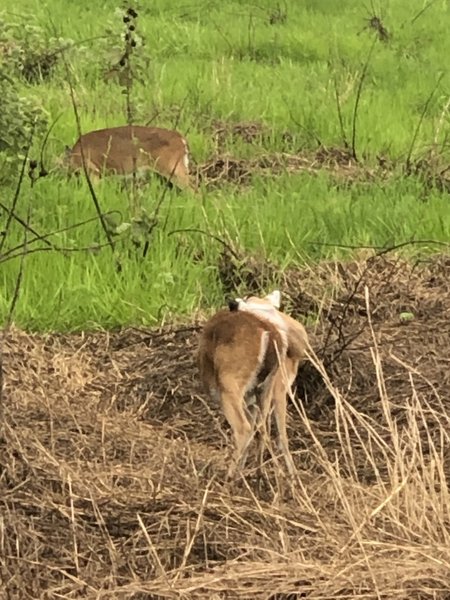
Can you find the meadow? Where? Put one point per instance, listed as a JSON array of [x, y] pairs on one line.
[[208, 68], [319, 139]]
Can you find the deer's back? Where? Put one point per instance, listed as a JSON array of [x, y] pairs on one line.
[[122, 149]]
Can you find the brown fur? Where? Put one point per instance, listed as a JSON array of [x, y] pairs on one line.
[[231, 367], [127, 148]]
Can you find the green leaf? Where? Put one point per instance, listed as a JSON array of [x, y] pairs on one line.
[[406, 316], [122, 228]]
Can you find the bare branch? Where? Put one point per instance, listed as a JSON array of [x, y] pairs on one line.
[[210, 235], [339, 112], [44, 238], [419, 124], [85, 170], [24, 224], [16, 292], [11, 211], [358, 98]]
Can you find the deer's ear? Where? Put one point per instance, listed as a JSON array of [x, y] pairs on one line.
[[233, 305], [274, 298]]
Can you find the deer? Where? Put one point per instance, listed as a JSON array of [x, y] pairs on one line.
[[132, 148], [248, 357]]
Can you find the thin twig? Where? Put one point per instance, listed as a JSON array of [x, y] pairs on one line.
[[72, 45], [160, 202], [176, 122], [83, 158], [11, 211], [339, 112], [223, 36], [43, 171], [343, 313], [300, 126], [155, 115], [421, 12], [410, 243], [16, 292], [86, 172], [210, 235], [61, 250], [358, 98], [44, 238], [24, 224], [419, 124], [381, 249]]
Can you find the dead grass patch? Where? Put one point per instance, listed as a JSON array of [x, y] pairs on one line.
[[112, 463], [224, 168], [431, 168]]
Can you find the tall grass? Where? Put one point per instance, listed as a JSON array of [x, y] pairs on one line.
[[290, 220]]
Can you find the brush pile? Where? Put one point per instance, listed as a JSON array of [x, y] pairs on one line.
[[112, 463]]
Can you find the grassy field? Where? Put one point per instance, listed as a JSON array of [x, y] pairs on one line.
[[273, 65], [319, 138]]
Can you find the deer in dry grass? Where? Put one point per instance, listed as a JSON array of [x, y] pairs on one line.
[[132, 148], [248, 359]]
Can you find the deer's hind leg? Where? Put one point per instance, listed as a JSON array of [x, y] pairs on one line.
[[282, 385], [233, 405], [264, 417]]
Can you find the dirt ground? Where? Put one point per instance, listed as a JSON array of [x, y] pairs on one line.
[[112, 462]]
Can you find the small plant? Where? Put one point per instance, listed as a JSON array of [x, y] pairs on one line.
[[29, 51], [20, 115], [128, 62], [17, 117], [27, 55], [128, 68], [375, 23], [278, 15]]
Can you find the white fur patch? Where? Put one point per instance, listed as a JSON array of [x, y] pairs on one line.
[[263, 344], [268, 312], [186, 154], [275, 298]]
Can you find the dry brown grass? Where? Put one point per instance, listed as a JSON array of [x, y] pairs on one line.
[[112, 463], [338, 163]]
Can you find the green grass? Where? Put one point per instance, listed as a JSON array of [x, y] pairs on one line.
[[225, 61]]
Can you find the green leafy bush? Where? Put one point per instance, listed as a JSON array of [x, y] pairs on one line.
[[23, 60]]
